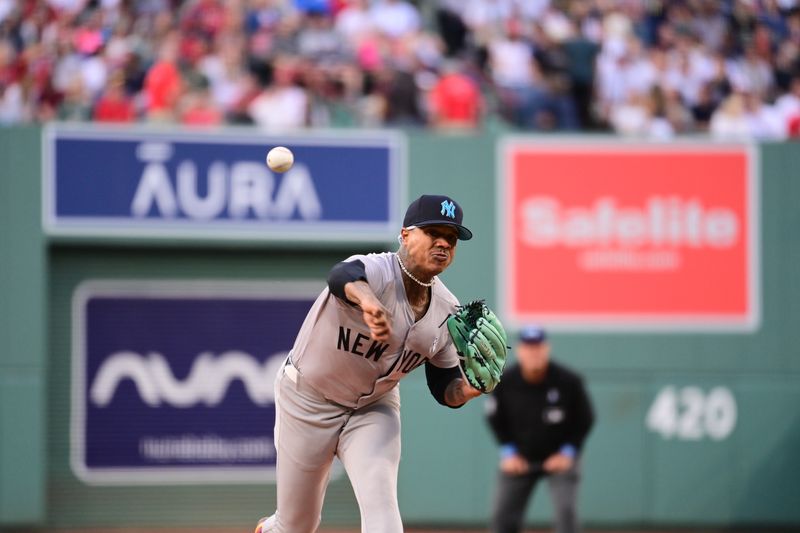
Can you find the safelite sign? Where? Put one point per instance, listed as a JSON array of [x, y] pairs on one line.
[[629, 236]]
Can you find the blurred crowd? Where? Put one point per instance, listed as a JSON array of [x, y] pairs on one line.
[[644, 68]]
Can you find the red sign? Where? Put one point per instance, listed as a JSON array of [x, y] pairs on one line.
[[619, 235]]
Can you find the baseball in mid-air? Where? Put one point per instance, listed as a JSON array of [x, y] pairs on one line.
[[280, 159]]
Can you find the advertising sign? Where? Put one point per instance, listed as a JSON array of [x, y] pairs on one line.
[[620, 236], [146, 182], [173, 381]]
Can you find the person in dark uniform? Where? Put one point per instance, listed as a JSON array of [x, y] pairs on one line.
[[540, 414]]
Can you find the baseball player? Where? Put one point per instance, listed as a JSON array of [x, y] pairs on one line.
[[379, 318]]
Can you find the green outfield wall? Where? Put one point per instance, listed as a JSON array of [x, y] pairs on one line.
[[694, 428], [23, 330]]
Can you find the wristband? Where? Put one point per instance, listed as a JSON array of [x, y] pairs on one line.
[[507, 450], [569, 450]]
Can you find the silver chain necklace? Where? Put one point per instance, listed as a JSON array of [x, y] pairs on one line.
[[407, 273]]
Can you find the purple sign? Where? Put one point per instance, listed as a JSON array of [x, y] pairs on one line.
[[173, 381]]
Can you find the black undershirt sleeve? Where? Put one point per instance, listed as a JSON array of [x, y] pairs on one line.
[[343, 273], [438, 380]]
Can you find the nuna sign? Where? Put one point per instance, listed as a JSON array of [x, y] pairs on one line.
[[629, 236]]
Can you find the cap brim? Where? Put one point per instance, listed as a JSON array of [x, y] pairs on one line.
[[463, 233], [529, 340]]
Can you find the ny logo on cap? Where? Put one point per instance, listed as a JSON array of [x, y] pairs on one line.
[[449, 209]]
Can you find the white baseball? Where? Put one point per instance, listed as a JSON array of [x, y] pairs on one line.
[[280, 159]]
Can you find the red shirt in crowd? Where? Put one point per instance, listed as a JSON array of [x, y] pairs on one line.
[[456, 100], [162, 86], [202, 116], [114, 106]]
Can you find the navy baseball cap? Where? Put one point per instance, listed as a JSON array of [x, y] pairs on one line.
[[430, 209], [532, 334]]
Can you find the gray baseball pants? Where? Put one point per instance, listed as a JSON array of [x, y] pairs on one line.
[[310, 430]]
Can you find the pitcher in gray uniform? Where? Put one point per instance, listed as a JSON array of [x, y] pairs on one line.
[[379, 318]]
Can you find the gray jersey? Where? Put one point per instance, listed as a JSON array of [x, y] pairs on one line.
[[336, 356]]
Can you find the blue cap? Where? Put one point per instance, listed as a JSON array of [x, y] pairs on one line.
[[532, 334]]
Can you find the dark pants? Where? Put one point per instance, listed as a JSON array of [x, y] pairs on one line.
[[513, 493]]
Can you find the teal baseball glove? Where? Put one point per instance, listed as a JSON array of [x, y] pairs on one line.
[[481, 343]]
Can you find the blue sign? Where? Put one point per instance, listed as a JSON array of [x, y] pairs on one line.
[[142, 182], [173, 381]]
